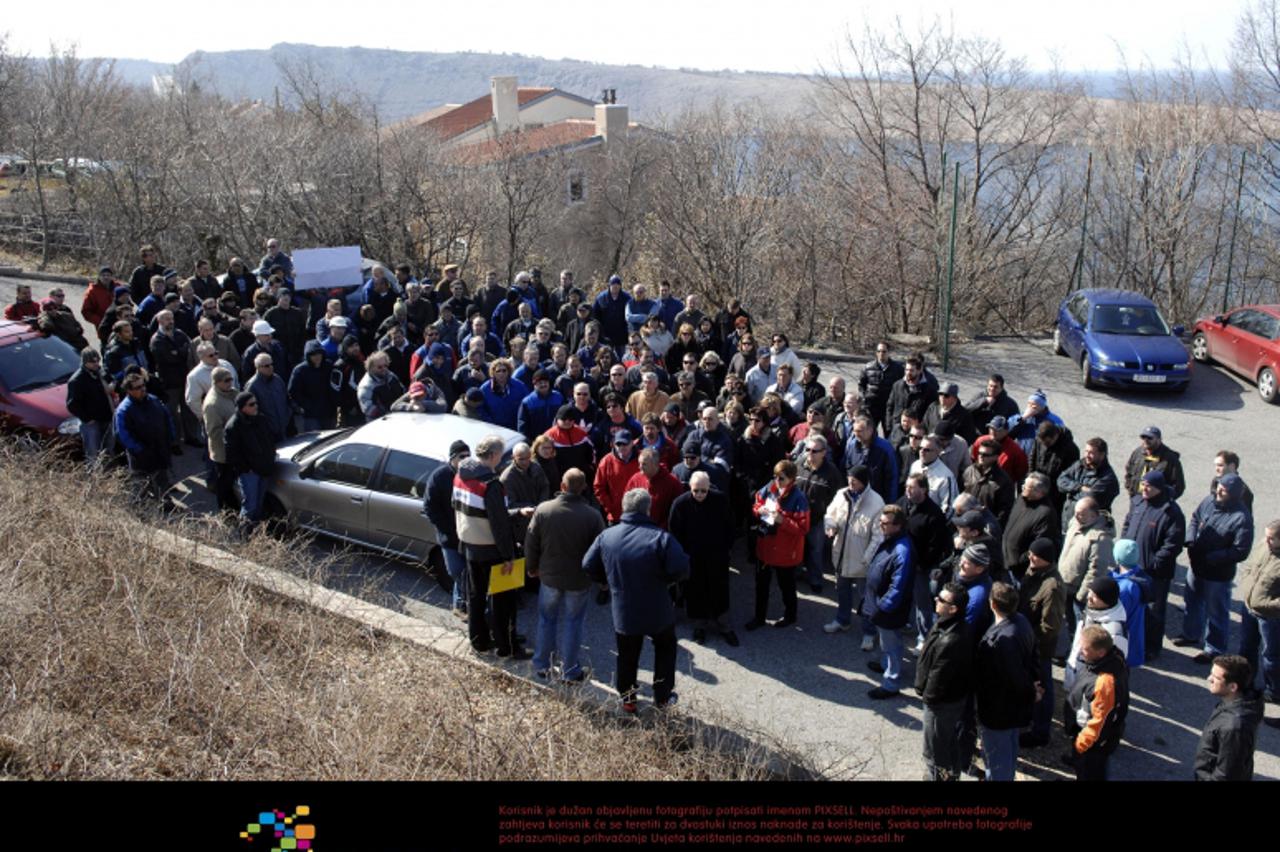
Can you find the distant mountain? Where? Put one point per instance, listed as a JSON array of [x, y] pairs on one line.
[[404, 83]]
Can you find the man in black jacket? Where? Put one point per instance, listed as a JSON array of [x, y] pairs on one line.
[[1006, 682], [1157, 524], [1054, 451], [1226, 746], [1153, 454], [87, 399], [927, 529], [944, 679], [876, 381], [251, 453], [995, 402], [1033, 516], [171, 355], [437, 505], [914, 392]]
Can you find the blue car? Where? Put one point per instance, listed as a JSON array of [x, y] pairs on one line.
[[1119, 339]]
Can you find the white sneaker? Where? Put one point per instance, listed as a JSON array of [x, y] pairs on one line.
[[868, 643], [836, 627]]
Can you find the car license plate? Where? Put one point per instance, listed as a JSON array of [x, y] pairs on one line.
[[1149, 379]]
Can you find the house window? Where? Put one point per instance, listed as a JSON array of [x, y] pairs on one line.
[[577, 187]]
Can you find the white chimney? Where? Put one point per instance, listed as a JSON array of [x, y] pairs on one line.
[[611, 121], [506, 107]]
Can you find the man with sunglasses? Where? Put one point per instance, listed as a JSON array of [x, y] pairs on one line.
[[1154, 454], [944, 680]]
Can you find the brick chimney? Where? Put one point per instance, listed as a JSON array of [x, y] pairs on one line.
[[506, 107], [611, 122]]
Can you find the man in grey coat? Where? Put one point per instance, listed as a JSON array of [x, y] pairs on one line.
[[639, 560], [560, 533]]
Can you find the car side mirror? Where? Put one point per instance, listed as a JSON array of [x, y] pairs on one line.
[[1220, 319], [1179, 330]]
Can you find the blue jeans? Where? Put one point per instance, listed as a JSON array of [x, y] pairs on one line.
[[560, 617], [94, 435], [254, 488], [891, 643], [815, 553], [1211, 597], [456, 566], [1000, 752], [1042, 712], [846, 590], [1262, 634]]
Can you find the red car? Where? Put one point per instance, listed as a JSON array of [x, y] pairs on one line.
[[34, 370], [1245, 341]]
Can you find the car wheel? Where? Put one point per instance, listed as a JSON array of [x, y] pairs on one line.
[[1057, 342], [1086, 374], [1200, 347], [1267, 385]]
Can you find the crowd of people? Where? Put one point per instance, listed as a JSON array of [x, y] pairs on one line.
[[974, 540]]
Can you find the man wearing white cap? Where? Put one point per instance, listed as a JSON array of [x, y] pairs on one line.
[[263, 341]]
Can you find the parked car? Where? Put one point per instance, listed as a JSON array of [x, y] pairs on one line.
[[1245, 341], [365, 485], [34, 371], [1119, 338]]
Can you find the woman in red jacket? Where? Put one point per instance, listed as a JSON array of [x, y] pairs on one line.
[[782, 520]]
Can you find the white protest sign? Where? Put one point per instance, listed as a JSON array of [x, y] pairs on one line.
[[316, 268]]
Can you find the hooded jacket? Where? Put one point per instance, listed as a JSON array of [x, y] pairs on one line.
[[1101, 482], [1225, 752], [1220, 536], [1134, 586], [250, 447], [784, 547], [1165, 460], [147, 432], [309, 388], [1112, 619], [480, 509], [1160, 529], [87, 395]]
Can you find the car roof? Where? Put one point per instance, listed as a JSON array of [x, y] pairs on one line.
[[12, 331], [1274, 310], [1115, 297], [430, 434]]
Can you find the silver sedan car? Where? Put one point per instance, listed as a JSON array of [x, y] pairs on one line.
[[365, 485]]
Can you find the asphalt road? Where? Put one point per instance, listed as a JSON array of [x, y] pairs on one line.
[[806, 689]]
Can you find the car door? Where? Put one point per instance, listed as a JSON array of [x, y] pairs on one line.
[[1078, 313], [396, 522], [1237, 335], [1256, 346], [338, 499]]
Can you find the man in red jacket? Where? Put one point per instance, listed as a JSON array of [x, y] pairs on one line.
[[1012, 459], [615, 470], [782, 516], [98, 296], [663, 488]]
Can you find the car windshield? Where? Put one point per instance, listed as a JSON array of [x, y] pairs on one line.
[[1141, 320], [37, 363]]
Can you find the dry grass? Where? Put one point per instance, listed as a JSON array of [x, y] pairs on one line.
[[118, 661]]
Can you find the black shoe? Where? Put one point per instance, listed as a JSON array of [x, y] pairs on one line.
[[482, 648], [515, 654], [1183, 642], [519, 638], [578, 678], [753, 624], [672, 700], [602, 597], [1027, 740], [880, 693], [731, 639], [876, 666], [700, 635], [783, 622], [1203, 658], [816, 588]]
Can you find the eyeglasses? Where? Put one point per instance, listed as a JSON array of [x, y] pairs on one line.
[[988, 455], [941, 599], [817, 449]]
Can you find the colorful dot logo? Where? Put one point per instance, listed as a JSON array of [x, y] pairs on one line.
[[284, 830]]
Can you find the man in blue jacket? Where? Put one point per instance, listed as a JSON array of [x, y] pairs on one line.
[[639, 560], [1219, 538], [502, 395], [538, 409], [610, 310], [146, 430], [886, 601]]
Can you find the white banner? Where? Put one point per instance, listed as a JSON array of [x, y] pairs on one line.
[[316, 268]]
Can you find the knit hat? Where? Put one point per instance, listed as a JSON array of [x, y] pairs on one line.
[[998, 422], [944, 429], [1125, 552], [458, 448], [119, 291], [978, 554], [1037, 396], [1044, 548], [1155, 478], [692, 447], [861, 472], [568, 412], [1233, 483], [1106, 588]]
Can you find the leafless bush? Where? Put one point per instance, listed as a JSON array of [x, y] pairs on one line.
[[120, 660]]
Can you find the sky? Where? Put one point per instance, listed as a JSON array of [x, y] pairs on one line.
[[795, 37]]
